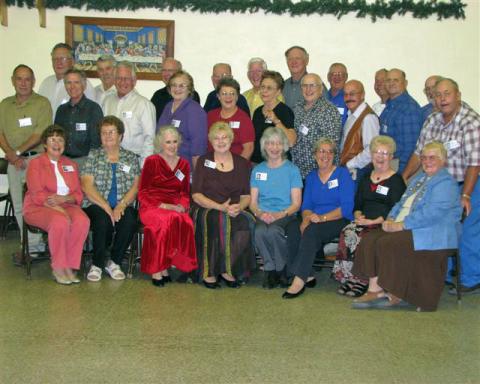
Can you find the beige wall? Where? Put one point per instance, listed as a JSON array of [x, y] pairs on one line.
[[420, 47]]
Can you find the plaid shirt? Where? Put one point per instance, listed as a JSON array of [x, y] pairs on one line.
[[322, 120], [461, 137], [402, 120]]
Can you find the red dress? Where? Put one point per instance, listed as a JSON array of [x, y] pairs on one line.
[[168, 235]]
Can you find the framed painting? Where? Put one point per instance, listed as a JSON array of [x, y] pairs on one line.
[[145, 43]]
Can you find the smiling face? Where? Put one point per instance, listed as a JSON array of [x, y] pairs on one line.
[[62, 61], [432, 162], [311, 89], [381, 158], [396, 83], [124, 81], [179, 88], [324, 156], [353, 94], [269, 90], [297, 62], [106, 72], [228, 97], [54, 147], [337, 76], [219, 72], [255, 74], [429, 89], [169, 68], [447, 99], [221, 142], [380, 85], [169, 144], [274, 149], [23, 82], [75, 86], [109, 136]]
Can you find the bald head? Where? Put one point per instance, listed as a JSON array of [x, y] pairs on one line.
[[430, 87], [380, 85], [354, 94], [448, 98], [170, 66], [396, 82]]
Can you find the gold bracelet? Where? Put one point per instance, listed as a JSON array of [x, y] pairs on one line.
[[466, 196]]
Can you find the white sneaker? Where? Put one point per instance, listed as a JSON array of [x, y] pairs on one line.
[[95, 274], [114, 271]]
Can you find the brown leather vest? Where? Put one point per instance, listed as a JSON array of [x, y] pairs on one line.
[[354, 143]]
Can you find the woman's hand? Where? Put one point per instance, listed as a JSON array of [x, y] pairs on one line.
[[267, 217], [173, 207], [314, 218], [270, 115], [55, 200], [391, 226]]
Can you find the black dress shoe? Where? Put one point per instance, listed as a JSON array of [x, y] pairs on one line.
[[213, 285], [311, 283], [288, 295], [167, 279], [158, 283], [230, 284]]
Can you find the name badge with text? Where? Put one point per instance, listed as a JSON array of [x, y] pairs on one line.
[[25, 122], [210, 164], [452, 144], [382, 190], [176, 123], [81, 126], [268, 121], [125, 168], [179, 175], [304, 130], [234, 124], [333, 184], [261, 176], [127, 114], [341, 110], [68, 168]]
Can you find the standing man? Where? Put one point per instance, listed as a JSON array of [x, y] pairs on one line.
[[79, 117], [429, 91], [106, 73], [337, 76], [402, 117], [162, 97], [380, 87], [457, 126], [221, 70], [136, 112], [23, 118], [53, 87], [361, 127]]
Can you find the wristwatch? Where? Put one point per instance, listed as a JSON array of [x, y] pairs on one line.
[[18, 153]]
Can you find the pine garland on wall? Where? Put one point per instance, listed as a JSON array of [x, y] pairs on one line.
[[378, 9]]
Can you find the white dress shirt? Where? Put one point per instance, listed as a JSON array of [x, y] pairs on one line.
[[101, 93], [378, 107], [370, 129], [54, 90], [138, 115]]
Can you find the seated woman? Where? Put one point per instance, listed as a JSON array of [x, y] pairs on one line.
[[406, 260], [327, 207], [273, 113], [221, 193], [377, 193], [187, 115], [164, 196], [228, 90], [110, 182], [52, 202], [276, 195]]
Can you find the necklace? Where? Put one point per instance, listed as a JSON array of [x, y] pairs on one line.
[[221, 164]]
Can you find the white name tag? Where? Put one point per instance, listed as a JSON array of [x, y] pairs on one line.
[[210, 164], [125, 168], [304, 130], [68, 168], [176, 123], [261, 176], [452, 144], [268, 121], [333, 184], [382, 190], [25, 122], [234, 124], [127, 114], [179, 175], [384, 128], [341, 110], [81, 126]]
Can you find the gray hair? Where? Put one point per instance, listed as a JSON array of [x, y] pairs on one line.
[[299, 48], [272, 134], [63, 46], [128, 65], [383, 140], [104, 58], [451, 81], [160, 136], [255, 60], [322, 141], [436, 146], [83, 76]]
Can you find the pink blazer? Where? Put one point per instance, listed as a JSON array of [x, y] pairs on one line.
[[42, 182]]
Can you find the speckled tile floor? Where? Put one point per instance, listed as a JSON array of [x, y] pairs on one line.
[[132, 332]]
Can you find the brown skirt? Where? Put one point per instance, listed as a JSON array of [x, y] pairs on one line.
[[414, 276]]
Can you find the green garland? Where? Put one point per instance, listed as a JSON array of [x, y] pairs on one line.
[[380, 9]]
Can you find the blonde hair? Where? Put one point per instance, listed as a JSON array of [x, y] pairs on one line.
[[160, 137], [383, 140], [322, 141], [436, 146], [220, 126]]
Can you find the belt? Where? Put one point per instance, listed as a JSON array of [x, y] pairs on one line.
[[30, 153]]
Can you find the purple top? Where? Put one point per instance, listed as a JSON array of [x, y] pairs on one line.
[[191, 121]]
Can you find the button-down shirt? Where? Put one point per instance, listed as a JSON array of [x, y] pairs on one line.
[[101, 93], [378, 107], [138, 115], [80, 121], [461, 137], [54, 90], [402, 121], [321, 120], [19, 121], [339, 102], [370, 129]]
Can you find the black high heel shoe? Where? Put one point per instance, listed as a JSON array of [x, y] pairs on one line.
[[230, 284], [167, 279], [158, 282], [311, 284], [288, 295], [213, 285]]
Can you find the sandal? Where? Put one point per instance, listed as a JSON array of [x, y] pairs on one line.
[[358, 289], [370, 296], [345, 288], [95, 274]]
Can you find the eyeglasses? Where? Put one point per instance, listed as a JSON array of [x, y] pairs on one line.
[[381, 153], [56, 140], [109, 133], [339, 74], [325, 151], [220, 138], [351, 94], [310, 86], [429, 158], [61, 59], [225, 93], [267, 88], [179, 86], [124, 78]]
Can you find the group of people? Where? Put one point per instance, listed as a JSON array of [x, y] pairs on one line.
[[281, 171]]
